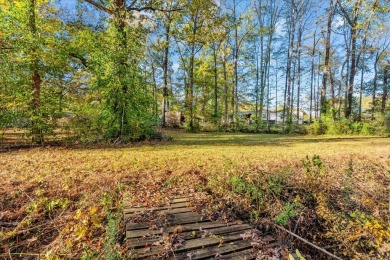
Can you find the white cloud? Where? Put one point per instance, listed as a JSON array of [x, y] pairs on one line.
[[338, 22], [175, 66], [279, 28]]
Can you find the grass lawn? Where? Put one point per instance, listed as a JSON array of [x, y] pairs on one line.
[[66, 202]]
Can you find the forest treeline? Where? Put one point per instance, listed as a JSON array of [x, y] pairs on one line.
[[114, 69]]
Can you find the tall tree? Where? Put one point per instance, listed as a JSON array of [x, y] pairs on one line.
[[327, 70]]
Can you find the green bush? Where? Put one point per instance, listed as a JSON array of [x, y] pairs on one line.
[[344, 126]]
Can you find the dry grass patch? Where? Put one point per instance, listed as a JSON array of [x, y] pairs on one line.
[[59, 201]]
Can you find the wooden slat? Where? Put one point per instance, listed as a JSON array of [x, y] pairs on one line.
[[186, 227], [267, 239], [203, 239], [211, 252], [189, 218], [171, 211], [172, 206], [194, 244], [247, 254], [141, 242], [179, 200], [274, 245]]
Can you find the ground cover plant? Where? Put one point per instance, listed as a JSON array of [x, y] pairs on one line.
[[59, 202]]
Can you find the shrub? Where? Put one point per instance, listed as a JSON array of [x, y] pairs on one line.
[[344, 126]]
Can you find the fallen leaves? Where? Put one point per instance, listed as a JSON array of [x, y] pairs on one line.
[[92, 180], [178, 229]]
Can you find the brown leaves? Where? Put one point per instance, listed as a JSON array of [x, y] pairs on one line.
[[178, 229]]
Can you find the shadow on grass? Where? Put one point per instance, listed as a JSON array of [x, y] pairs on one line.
[[184, 140]]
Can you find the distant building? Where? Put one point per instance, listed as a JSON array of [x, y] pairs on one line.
[[174, 118], [273, 116]]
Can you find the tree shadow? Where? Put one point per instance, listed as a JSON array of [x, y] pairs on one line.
[[184, 140]]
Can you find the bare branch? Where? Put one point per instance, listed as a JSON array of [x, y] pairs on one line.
[[80, 58], [99, 6], [345, 13], [152, 8]]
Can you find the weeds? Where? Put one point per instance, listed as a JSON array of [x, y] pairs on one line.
[[111, 248], [289, 211]]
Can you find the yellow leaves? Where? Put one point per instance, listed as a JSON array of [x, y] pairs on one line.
[[87, 221], [96, 220], [353, 238], [79, 213], [297, 199], [19, 4], [80, 232], [93, 210]]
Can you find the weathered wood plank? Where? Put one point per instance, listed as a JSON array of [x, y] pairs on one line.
[[211, 252], [177, 220], [186, 227], [171, 206], [141, 242], [193, 244], [247, 254], [171, 211], [202, 238], [274, 244], [179, 200], [267, 239]]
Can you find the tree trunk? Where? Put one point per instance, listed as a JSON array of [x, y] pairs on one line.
[[276, 93], [155, 106], [332, 92], [354, 61], [226, 114], [257, 90], [317, 99], [165, 69], [120, 99], [326, 74], [36, 121], [190, 101], [312, 78], [215, 85], [289, 61], [262, 67], [385, 78], [299, 66], [374, 87], [361, 90]]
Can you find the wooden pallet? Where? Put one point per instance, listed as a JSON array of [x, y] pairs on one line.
[[188, 234]]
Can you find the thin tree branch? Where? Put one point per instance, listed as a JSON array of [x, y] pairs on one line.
[[351, 23], [152, 8], [100, 6], [309, 243], [80, 58]]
